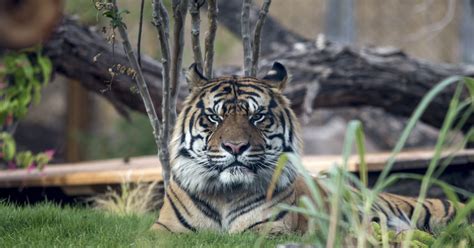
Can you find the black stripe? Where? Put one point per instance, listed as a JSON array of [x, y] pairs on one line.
[[179, 216], [393, 207], [179, 200], [426, 221], [163, 225], [245, 208], [206, 208], [277, 218], [184, 153], [380, 208], [183, 125], [446, 205], [398, 212], [255, 87], [410, 212], [291, 125], [283, 198]]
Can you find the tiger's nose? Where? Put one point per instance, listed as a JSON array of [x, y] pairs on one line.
[[235, 148]]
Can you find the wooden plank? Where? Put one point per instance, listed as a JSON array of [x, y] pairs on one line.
[[147, 169], [113, 171]]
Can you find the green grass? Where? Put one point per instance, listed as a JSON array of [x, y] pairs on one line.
[[347, 221], [48, 225]]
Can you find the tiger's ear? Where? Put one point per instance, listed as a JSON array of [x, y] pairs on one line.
[[194, 77], [277, 76]]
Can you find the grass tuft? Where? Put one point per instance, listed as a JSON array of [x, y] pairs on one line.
[[131, 198]]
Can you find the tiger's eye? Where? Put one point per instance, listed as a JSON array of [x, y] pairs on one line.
[[214, 118], [256, 118]]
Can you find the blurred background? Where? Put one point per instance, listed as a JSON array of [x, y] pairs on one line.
[[80, 125]]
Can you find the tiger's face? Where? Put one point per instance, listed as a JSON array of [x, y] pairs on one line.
[[231, 133]]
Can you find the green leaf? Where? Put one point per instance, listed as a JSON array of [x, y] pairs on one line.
[[8, 146], [46, 68], [470, 86], [24, 159]]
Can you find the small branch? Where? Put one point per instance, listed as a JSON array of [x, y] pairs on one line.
[[180, 8], [161, 21], [210, 36], [312, 90], [245, 25], [140, 29], [194, 7], [257, 36], [140, 80]]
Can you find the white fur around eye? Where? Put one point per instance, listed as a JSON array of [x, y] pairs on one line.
[[214, 119], [255, 119]]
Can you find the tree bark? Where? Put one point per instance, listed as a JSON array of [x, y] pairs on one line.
[[380, 77]]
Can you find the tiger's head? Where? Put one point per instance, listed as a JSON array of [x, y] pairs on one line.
[[231, 133]]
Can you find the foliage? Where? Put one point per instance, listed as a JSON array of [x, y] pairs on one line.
[[22, 75], [49, 225], [107, 9], [24, 159], [347, 222]]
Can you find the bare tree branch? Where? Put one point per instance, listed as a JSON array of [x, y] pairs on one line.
[[161, 22], [275, 36], [140, 80], [257, 36], [140, 29], [212, 10], [245, 25], [194, 8], [180, 8]]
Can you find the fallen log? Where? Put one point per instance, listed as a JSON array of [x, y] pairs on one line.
[[346, 76]]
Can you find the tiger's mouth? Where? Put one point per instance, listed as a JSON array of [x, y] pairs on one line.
[[237, 165]]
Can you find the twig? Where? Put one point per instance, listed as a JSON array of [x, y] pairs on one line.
[[140, 80], [257, 36], [245, 23], [161, 21], [140, 29], [180, 8], [210, 36], [194, 7]]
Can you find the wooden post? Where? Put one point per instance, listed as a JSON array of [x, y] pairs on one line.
[[78, 115]]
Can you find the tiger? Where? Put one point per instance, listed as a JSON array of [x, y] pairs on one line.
[[224, 150]]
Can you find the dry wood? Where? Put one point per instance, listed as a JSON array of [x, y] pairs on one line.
[[194, 11], [245, 25], [257, 36], [212, 11]]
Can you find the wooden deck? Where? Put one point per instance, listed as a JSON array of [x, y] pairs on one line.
[[146, 169]]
